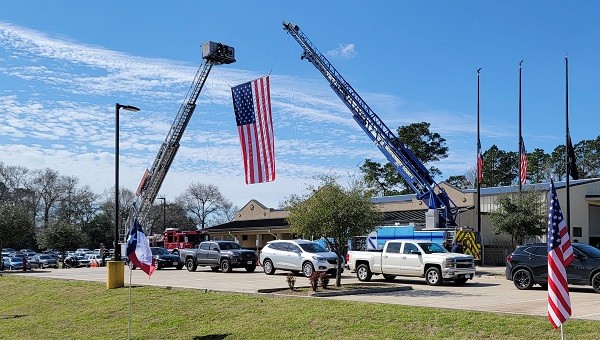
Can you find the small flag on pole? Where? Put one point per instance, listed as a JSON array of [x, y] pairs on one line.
[[560, 255], [138, 249], [252, 107], [523, 161], [571, 165], [479, 163]]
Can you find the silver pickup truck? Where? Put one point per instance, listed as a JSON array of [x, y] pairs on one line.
[[223, 255], [412, 258]]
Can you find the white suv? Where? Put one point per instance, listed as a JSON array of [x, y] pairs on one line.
[[297, 256]]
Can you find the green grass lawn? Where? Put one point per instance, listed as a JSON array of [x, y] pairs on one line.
[[32, 308]]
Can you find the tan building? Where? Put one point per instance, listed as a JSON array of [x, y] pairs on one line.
[[255, 224]]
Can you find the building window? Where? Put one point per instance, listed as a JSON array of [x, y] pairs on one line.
[[244, 237], [577, 232]]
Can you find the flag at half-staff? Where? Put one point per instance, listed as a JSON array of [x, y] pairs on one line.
[[252, 107], [522, 161]]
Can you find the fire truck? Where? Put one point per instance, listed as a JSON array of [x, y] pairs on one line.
[[174, 239]]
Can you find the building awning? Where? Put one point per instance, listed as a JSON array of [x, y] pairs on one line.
[[248, 225]]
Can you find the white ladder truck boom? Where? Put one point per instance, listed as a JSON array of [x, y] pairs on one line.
[[406, 163], [214, 54]]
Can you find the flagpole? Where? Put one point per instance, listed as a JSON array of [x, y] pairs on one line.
[[478, 211], [477, 180], [520, 133], [567, 163], [129, 317]]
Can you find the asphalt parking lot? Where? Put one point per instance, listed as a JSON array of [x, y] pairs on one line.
[[490, 292]]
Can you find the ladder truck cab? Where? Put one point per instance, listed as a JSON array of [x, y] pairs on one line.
[[213, 53], [442, 211], [175, 240]]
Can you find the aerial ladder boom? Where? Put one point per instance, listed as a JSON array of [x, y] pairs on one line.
[[213, 54], [406, 163]]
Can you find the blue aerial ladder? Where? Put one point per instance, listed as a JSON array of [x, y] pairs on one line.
[[406, 163]]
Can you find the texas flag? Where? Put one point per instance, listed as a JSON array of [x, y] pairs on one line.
[[138, 249]]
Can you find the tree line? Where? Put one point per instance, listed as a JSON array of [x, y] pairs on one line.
[[42, 209], [500, 167]]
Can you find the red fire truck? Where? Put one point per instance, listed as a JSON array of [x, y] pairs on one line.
[[175, 239]]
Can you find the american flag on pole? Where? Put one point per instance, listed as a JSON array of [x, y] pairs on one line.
[[252, 107], [560, 255], [479, 163], [523, 160]]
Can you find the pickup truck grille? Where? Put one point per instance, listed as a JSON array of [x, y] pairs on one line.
[[248, 256], [464, 263]]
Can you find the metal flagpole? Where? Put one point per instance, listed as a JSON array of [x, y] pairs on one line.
[[520, 133], [478, 211], [129, 317], [567, 163]]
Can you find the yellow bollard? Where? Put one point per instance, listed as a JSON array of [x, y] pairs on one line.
[[115, 274]]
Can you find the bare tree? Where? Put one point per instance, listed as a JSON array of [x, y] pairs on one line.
[[50, 188], [206, 204]]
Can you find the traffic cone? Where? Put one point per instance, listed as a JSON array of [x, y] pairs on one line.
[[94, 263]]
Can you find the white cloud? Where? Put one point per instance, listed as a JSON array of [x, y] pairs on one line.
[[346, 51]]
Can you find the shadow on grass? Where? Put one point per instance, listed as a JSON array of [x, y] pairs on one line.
[[211, 337]]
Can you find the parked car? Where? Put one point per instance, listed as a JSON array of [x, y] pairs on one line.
[[163, 258], [88, 259], [8, 252], [28, 252], [15, 263], [82, 251], [43, 261], [297, 256], [528, 265]]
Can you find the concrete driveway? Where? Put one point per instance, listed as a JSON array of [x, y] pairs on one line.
[[490, 292]]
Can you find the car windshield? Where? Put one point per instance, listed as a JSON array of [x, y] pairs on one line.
[[589, 250], [313, 248], [229, 245], [160, 251], [46, 257], [432, 248], [16, 259]]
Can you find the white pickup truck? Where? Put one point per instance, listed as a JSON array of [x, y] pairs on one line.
[[412, 258]]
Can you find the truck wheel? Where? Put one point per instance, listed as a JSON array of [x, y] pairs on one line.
[[523, 279], [215, 268], [596, 282], [268, 267], [307, 269], [226, 266], [190, 265], [388, 277], [433, 276], [250, 268], [363, 273]]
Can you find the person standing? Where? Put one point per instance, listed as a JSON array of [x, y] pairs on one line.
[[457, 247], [102, 253]]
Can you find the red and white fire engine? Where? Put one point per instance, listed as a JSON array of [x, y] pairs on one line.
[[174, 239]]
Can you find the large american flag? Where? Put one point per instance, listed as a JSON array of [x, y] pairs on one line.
[[523, 160], [479, 163], [252, 106], [560, 255]]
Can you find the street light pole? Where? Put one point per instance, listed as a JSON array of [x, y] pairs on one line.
[[117, 253], [164, 200]]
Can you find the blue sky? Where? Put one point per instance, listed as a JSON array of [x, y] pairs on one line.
[[64, 64]]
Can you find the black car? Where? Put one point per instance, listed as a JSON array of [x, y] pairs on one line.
[[528, 265], [163, 258]]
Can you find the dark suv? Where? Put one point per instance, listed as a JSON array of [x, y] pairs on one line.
[[528, 265]]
